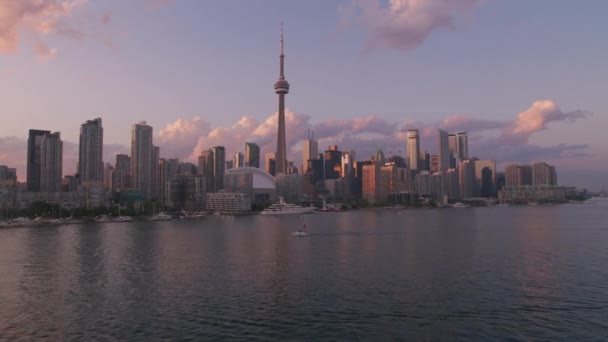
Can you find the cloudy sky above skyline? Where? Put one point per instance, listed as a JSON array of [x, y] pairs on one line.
[[524, 78]]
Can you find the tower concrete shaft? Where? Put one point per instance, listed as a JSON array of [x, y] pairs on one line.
[[281, 87]]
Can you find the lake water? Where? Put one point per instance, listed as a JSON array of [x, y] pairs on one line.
[[497, 273]]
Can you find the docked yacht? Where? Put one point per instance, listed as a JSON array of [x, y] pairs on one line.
[[283, 208]]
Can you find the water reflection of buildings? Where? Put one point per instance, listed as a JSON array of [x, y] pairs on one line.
[[538, 249]]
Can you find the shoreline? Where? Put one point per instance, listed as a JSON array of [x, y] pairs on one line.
[[70, 222]]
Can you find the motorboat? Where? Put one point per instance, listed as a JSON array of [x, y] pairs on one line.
[[300, 233], [284, 208], [459, 205]]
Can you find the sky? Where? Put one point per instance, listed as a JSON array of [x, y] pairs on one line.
[[526, 79]]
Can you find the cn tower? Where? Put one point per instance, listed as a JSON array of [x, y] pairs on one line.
[[281, 87]]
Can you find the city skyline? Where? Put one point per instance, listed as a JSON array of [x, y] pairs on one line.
[[524, 129]]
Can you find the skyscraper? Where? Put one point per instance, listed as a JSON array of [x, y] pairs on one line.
[[462, 145], [281, 87], [332, 162], [122, 173], [443, 151], [490, 185], [205, 169], [239, 159], [309, 152], [252, 155], [90, 152], [141, 158], [453, 144], [108, 179], [219, 167], [467, 178], [154, 179], [33, 158], [51, 162], [348, 162], [167, 169], [413, 149], [270, 164]]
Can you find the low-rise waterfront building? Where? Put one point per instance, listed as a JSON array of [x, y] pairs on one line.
[[532, 193], [229, 203]]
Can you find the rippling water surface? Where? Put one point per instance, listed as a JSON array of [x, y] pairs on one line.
[[497, 273]]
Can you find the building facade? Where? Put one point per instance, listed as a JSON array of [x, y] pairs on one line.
[[90, 152], [51, 163], [33, 158], [142, 157], [252, 155], [443, 151], [413, 149]]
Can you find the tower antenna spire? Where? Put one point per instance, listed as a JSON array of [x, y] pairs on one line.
[[282, 43]]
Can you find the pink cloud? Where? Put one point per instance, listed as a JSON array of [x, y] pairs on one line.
[[38, 18], [536, 118], [504, 141], [405, 24], [43, 51]]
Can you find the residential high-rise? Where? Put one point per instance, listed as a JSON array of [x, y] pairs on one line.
[[443, 151], [309, 152], [518, 175], [141, 159], [90, 152], [281, 87], [332, 162], [413, 149], [252, 155], [7, 173], [219, 167], [205, 169], [347, 165], [487, 185], [108, 178], [51, 163], [462, 145], [33, 158], [154, 162], [239, 160], [371, 177], [543, 174], [484, 185], [270, 164], [121, 176], [453, 144], [167, 169], [467, 178]]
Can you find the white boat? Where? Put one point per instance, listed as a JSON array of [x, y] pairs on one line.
[[283, 208], [300, 233], [103, 219], [123, 219], [161, 217], [459, 205]]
